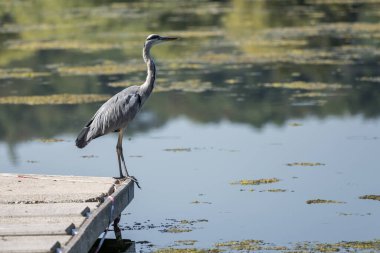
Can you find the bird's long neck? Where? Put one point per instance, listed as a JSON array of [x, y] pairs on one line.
[[148, 85]]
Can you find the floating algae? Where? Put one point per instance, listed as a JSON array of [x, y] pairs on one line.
[[107, 68], [323, 201], [300, 247], [194, 85], [187, 250], [62, 45], [274, 190], [257, 181], [309, 95], [306, 85], [200, 202], [296, 56], [185, 242], [341, 1], [339, 30], [176, 230], [50, 140], [122, 84], [178, 149], [56, 99], [20, 73], [89, 156], [259, 245], [248, 245], [305, 164], [374, 79], [373, 197]]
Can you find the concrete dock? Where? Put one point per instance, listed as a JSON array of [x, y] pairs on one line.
[[40, 213]]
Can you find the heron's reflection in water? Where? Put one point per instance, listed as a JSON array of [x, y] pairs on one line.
[[117, 245]]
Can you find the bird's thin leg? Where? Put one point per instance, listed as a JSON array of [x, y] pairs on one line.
[[119, 151], [119, 148]]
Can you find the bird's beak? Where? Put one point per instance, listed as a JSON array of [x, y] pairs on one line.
[[168, 38]]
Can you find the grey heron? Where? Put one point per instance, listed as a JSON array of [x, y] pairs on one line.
[[116, 113]]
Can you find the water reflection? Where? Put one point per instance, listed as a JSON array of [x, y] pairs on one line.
[[245, 47], [276, 82], [114, 246]]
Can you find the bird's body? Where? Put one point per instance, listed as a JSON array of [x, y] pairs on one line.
[[115, 114]]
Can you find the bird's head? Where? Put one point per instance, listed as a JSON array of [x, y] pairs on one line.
[[154, 39]]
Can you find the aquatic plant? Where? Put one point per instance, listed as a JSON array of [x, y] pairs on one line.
[[56, 99], [373, 197], [323, 201], [256, 181], [21, 73], [305, 164]]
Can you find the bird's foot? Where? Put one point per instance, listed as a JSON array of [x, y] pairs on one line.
[[132, 178], [135, 181]]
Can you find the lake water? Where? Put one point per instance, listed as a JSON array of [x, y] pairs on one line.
[[286, 92]]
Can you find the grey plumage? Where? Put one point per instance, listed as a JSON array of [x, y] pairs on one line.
[[115, 114]]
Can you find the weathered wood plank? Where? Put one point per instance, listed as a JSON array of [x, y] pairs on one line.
[[41, 211], [48, 209], [101, 218], [49, 225], [28, 244], [33, 189]]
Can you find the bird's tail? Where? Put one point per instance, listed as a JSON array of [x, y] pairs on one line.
[[81, 140]]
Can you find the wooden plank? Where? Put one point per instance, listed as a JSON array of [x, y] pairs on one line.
[[39, 226], [46, 209], [38, 213], [28, 244], [34, 189], [100, 219]]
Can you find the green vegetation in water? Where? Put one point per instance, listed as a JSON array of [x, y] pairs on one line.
[[193, 85], [89, 156], [374, 79], [354, 214], [306, 85], [56, 99], [311, 95], [296, 56], [20, 73], [186, 250], [305, 164], [122, 84], [106, 68], [247, 245], [373, 197], [249, 190], [163, 85], [50, 140], [256, 181], [341, 1], [181, 226], [62, 45], [200, 202], [337, 30], [176, 230], [300, 247], [323, 201], [186, 242], [178, 149], [274, 190]]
